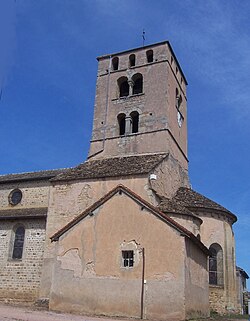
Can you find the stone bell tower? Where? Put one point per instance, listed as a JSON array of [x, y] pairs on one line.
[[140, 104]]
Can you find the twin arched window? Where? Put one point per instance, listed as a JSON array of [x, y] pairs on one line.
[[128, 124], [216, 265], [19, 235], [130, 87]]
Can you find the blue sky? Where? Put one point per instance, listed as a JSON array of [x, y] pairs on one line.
[[48, 71]]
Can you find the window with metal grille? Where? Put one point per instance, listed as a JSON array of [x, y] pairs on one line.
[[127, 258]]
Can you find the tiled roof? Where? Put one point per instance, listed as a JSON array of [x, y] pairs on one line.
[[142, 202], [191, 199], [112, 167], [23, 213], [32, 176], [171, 206]]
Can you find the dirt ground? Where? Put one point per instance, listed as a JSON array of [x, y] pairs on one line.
[[9, 312]]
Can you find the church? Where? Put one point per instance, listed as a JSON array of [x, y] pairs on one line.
[[123, 233]]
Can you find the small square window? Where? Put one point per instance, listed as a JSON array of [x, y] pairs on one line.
[[127, 258]]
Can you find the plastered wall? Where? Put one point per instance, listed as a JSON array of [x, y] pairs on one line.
[[88, 259]]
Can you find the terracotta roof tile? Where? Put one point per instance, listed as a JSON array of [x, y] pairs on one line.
[[111, 167]]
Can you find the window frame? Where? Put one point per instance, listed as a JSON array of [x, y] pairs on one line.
[[128, 260], [216, 265], [122, 82], [150, 56], [14, 243], [11, 199], [138, 84], [115, 63], [135, 122], [132, 60], [121, 119]]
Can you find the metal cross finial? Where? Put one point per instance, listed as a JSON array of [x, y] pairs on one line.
[[143, 37]]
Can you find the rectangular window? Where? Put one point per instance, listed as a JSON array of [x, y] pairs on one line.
[[127, 258]]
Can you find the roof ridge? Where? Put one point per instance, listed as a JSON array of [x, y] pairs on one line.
[[35, 172], [126, 156], [118, 166]]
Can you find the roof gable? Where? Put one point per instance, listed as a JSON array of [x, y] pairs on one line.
[[122, 189]]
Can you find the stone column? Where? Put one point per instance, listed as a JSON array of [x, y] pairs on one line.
[[131, 85], [128, 125]]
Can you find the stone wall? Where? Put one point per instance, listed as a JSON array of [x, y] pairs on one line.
[[20, 278], [217, 299], [217, 228], [158, 130], [34, 194]]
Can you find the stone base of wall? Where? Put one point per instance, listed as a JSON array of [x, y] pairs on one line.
[[219, 303]]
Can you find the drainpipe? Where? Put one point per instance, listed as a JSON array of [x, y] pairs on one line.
[[142, 281], [106, 112]]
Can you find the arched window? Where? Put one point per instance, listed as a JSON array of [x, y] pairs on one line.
[[176, 97], [216, 265], [132, 60], [138, 84], [150, 55], [179, 101], [121, 123], [123, 86], [115, 63], [135, 121], [18, 243]]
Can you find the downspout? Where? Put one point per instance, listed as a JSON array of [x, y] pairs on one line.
[[142, 281], [106, 112]]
